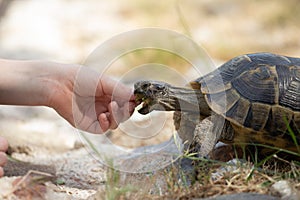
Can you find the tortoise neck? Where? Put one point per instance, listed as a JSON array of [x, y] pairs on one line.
[[189, 100]]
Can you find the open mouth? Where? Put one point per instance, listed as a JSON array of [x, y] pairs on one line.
[[145, 103]]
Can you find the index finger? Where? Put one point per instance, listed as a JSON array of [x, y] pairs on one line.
[[116, 89]]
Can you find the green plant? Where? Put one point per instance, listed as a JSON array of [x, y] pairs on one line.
[[113, 188]]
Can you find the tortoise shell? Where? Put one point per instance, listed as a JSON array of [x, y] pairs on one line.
[[259, 91]]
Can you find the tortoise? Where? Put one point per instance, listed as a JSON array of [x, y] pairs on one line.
[[251, 99]]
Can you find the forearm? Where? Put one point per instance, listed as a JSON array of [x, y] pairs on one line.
[[27, 82]]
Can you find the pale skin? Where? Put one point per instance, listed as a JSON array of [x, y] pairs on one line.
[[86, 99]]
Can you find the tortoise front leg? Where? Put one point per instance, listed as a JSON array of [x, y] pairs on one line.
[[207, 133]]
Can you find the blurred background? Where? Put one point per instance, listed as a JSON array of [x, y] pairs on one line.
[[69, 30]]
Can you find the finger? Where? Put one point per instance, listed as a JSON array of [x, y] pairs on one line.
[[3, 144], [95, 128], [127, 111], [113, 109], [1, 172], [132, 106], [132, 97], [3, 158], [116, 89], [104, 121]]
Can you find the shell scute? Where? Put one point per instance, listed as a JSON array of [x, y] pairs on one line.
[[255, 91]]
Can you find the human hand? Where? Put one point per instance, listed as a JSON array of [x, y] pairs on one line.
[[3, 157], [87, 100], [91, 102]]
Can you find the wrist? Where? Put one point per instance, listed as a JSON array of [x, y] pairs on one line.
[[60, 90], [60, 84], [29, 82]]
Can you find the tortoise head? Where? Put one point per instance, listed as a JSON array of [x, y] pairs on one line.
[[156, 95]]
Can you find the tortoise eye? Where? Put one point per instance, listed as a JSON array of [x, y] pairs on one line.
[[145, 86], [163, 92]]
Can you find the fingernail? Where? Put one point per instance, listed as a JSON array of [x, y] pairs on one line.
[[131, 106]]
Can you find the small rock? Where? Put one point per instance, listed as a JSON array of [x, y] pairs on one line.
[[242, 196], [286, 190]]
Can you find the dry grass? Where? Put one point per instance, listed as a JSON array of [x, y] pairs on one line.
[[242, 177], [212, 178]]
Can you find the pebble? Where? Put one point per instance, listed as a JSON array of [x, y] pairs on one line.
[[242, 196], [285, 189]]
